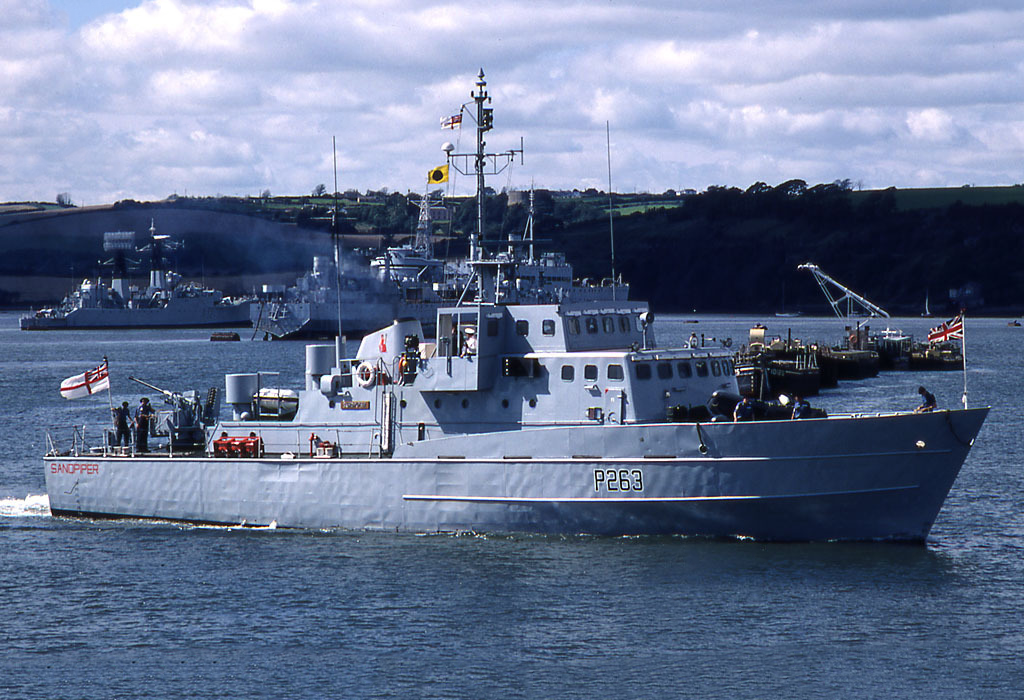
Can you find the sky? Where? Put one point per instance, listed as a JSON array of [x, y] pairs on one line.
[[108, 100]]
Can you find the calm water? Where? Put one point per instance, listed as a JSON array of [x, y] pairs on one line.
[[131, 610]]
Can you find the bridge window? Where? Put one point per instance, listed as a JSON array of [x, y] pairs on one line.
[[591, 324], [702, 368], [643, 371], [684, 370], [492, 327], [624, 324], [716, 369], [568, 373], [664, 370], [547, 327], [574, 326], [590, 373], [615, 373], [609, 324], [522, 327]]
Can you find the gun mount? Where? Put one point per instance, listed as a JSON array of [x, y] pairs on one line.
[[189, 416]]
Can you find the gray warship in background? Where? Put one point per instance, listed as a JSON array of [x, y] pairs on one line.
[[167, 302], [409, 281], [405, 282], [557, 417]]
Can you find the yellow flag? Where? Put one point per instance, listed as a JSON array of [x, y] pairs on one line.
[[438, 175]]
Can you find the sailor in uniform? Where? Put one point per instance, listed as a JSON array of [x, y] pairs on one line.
[[143, 417], [122, 420], [744, 410], [927, 401], [801, 408], [469, 341]]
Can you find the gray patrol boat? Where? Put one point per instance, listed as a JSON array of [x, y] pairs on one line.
[[518, 417]]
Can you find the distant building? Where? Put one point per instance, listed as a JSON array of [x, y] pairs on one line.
[[967, 297]]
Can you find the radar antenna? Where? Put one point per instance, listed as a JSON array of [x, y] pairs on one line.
[[483, 163]]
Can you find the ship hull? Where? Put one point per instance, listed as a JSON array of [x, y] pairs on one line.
[[319, 320], [848, 478], [176, 315]]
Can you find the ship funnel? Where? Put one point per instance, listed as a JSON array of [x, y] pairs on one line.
[[319, 361], [238, 392]]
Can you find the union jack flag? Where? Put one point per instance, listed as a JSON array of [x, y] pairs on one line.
[[947, 330]]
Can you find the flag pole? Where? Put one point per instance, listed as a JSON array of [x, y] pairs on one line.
[[110, 398], [963, 349]]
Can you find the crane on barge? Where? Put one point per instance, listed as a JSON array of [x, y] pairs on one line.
[[837, 293]]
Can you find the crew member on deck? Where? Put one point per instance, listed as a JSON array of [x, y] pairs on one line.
[[801, 408], [469, 341], [744, 410], [927, 401], [143, 417], [122, 422]]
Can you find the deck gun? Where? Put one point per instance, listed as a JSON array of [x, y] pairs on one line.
[[188, 417]]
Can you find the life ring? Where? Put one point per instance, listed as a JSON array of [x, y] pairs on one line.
[[403, 365], [366, 375]]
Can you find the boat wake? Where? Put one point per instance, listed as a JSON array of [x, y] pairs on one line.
[[31, 505]]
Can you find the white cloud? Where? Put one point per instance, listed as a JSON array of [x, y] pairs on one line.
[[931, 125], [236, 96]]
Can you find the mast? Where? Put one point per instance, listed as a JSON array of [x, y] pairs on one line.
[[339, 342], [424, 242], [484, 123], [483, 164], [157, 279], [611, 226]]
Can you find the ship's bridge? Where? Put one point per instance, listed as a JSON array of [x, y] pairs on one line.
[[569, 327]]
